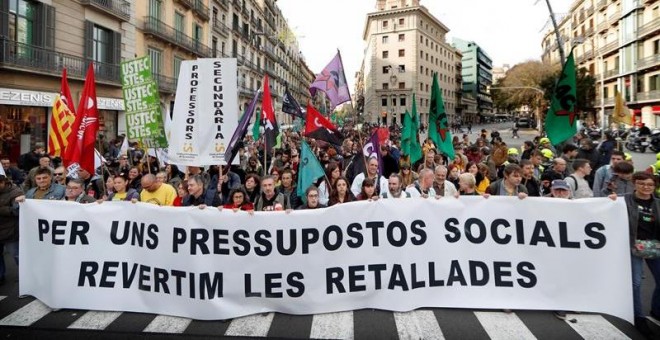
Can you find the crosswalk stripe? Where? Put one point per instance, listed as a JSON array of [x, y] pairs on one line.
[[500, 325], [95, 320], [27, 315], [168, 324], [591, 326], [420, 324], [251, 325], [332, 326]]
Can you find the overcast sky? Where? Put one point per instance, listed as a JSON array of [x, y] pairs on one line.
[[508, 30]]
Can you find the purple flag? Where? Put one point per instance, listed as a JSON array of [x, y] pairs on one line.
[[332, 81], [372, 149], [241, 130]]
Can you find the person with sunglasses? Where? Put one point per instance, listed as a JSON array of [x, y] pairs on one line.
[[60, 175]]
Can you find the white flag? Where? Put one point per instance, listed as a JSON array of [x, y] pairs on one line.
[[123, 150], [98, 159], [2, 171]]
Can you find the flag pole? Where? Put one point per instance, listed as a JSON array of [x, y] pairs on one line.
[[103, 167]]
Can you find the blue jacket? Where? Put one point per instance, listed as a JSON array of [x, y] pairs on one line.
[[55, 192]]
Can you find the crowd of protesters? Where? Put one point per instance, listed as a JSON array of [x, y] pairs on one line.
[[483, 165]]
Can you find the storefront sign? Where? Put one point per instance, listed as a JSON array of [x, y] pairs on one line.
[[144, 119], [115, 104], [26, 98]]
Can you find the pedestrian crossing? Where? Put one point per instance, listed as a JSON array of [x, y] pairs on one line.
[[361, 324]]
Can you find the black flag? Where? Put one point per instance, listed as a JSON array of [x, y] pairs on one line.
[[290, 105]]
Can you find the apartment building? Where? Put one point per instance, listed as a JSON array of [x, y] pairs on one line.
[[477, 75], [258, 35], [40, 38], [618, 41], [405, 45]]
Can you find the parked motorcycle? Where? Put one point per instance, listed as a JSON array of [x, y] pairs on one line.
[[655, 140], [637, 141]]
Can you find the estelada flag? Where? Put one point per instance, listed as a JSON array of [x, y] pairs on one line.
[[80, 148], [318, 127]]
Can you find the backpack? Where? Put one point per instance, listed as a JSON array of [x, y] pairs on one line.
[[574, 180]]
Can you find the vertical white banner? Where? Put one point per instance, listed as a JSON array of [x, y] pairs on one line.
[[205, 112]]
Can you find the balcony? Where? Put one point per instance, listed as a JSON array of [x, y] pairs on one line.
[[649, 27], [221, 28], [590, 11], [611, 73], [270, 70], [165, 84], [602, 27], [270, 21], [169, 34], [186, 3], [608, 101], [602, 4], [647, 62], [120, 9], [614, 18], [244, 90], [270, 51], [589, 55], [201, 10], [647, 96], [39, 60], [224, 4], [590, 31], [270, 5], [237, 4], [244, 10], [609, 47]]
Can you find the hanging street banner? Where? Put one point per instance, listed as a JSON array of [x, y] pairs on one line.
[[391, 254], [205, 112], [144, 117]]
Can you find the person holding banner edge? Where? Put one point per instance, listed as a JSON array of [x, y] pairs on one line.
[[644, 227]]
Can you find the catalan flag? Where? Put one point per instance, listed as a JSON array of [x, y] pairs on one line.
[[60, 127]]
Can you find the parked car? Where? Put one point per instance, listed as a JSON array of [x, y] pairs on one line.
[[525, 123]]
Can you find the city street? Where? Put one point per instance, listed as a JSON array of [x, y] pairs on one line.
[[29, 318]]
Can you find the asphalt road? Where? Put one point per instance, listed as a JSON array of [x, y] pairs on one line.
[[27, 318]]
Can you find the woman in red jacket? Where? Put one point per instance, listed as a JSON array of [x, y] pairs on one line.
[[239, 201]]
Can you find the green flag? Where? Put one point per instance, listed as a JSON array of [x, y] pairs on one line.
[[256, 126], [560, 120], [406, 133], [415, 146], [309, 170], [438, 125]]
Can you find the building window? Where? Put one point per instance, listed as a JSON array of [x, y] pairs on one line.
[[654, 82], [386, 54], [177, 66], [394, 101], [402, 100], [402, 37], [102, 46], [385, 23], [386, 69], [214, 47], [383, 101], [198, 33], [656, 47], [421, 39], [386, 86], [385, 39], [21, 21], [179, 22], [156, 8], [402, 53], [402, 21], [402, 85], [156, 57], [402, 68], [421, 86], [427, 87]]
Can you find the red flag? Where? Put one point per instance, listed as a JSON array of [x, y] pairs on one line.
[[318, 127], [80, 148], [271, 129], [65, 92]]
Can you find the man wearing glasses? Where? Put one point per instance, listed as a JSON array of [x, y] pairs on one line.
[[59, 175], [75, 192]]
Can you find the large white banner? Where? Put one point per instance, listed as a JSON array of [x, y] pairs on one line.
[[205, 112], [547, 254]]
